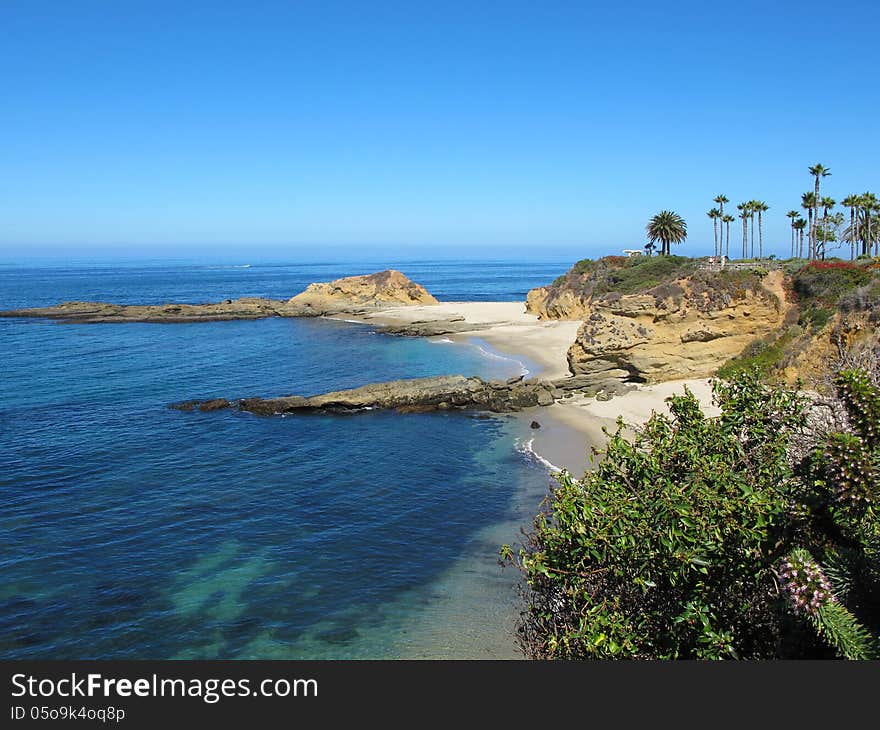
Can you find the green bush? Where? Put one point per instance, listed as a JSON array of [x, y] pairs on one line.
[[815, 318], [641, 273], [659, 276], [704, 538], [824, 283], [761, 356]]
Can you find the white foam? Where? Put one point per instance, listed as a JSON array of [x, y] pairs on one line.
[[441, 341], [523, 370], [527, 448]]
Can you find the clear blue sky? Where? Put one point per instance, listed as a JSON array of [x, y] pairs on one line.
[[301, 129]]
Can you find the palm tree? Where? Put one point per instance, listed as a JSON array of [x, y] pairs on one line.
[[715, 214], [818, 170], [793, 214], [727, 219], [668, 228], [721, 200], [871, 206], [743, 209], [851, 202], [827, 204], [799, 226], [753, 209], [866, 207], [875, 208], [808, 203], [760, 208]]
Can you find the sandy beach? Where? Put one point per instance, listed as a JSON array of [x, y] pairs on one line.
[[569, 429], [511, 330]]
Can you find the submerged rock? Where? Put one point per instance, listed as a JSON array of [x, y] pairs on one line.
[[215, 404]]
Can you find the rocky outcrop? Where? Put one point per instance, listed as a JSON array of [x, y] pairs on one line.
[[433, 327], [637, 338], [683, 322], [444, 392], [100, 312], [383, 289], [352, 295], [547, 303]]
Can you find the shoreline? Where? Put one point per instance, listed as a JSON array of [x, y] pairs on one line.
[[572, 427], [504, 325]]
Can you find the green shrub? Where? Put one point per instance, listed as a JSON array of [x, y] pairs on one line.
[[815, 318], [824, 283], [705, 538], [642, 273], [761, 356]]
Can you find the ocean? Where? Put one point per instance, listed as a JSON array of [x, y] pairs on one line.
[[129, 530]]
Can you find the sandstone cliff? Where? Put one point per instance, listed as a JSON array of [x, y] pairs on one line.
[[664, 318], [643, 339], [660, 319]]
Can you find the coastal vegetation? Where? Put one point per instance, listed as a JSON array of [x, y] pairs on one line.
[[753, 534], [833, 301], [648, 274]]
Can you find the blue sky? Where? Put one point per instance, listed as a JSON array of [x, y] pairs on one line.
[[300, 129]]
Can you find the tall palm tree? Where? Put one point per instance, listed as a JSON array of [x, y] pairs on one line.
[[793, 215], [743, 209], [715, 215], [851, 202], [668, 228], [760, 208], [753, 209], [872, 206], [817, 171], [827, 204], [721, 200], [867, 207], [808, 203], [727, 219], [799, 225]]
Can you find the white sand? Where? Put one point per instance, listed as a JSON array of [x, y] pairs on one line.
[[513, 331], [572, 426], [637, 405]]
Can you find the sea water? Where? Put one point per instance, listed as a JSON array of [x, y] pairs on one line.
[[129, 530]]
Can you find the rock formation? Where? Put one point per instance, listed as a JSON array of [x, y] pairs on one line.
[[417, 395], [351, 295], [685, 326], [386, 288], [100, 312], [639, 339]]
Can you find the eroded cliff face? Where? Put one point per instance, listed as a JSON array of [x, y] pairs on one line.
[[811, 358], [546, 303], [681, 329], [383, 289]]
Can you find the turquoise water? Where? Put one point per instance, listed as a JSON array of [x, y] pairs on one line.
[[130, 530]]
